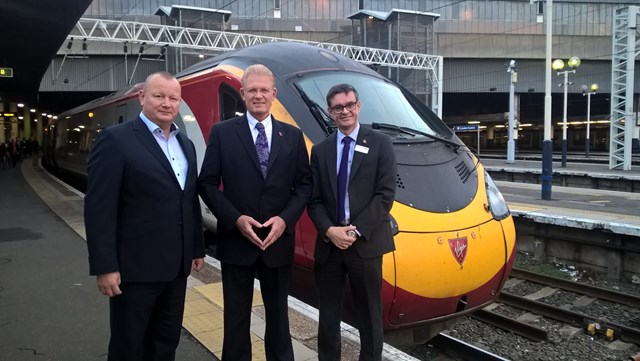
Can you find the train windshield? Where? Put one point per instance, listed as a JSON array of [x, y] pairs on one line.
[[384, 104]]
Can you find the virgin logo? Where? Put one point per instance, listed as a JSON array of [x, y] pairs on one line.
[[458, 247]]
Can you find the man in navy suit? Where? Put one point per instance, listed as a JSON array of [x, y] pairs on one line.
[[143, 223], [263, 167], [354, 184]]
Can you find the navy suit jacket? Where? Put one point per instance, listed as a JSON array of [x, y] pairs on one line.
[[138, 220], [231, 160], [372, 187]]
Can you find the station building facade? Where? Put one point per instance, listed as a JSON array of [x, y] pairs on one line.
[[477, 40]]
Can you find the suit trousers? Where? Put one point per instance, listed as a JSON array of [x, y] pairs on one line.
[[365, 279], [237, 287], [146, 320]]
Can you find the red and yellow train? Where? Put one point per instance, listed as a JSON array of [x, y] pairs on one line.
[[454, 235]]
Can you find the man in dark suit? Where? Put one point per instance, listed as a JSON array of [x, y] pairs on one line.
[[354, 183], [263, 166], [143, 223]]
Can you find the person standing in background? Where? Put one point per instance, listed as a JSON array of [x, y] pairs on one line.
[[144, 225], [354, 184]]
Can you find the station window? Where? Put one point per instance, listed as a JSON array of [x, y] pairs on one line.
[[276, 4]]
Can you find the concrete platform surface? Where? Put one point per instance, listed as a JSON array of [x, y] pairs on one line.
[[50, 306]]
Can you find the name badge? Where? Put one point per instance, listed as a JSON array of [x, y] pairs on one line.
[[361, 149]]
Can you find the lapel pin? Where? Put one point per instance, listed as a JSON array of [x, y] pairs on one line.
[[280, 133], [364, 141]]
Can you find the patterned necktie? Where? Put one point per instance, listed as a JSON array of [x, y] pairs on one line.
[[343, 178], [263, 149]]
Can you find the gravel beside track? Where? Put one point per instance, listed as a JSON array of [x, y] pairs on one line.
[[566, 343]]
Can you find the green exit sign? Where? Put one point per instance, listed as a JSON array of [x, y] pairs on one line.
[[6, 72]]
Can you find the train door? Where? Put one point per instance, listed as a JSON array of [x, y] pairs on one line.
[[121, 114], [48, 143], [231, 104]]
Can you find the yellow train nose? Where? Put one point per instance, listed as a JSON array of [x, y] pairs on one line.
[[436, 273]]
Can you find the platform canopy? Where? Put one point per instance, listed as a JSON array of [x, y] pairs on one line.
[[32, 33]]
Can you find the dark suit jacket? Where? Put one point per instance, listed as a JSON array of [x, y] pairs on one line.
[[372, 186], [231, 160], [138, 220]]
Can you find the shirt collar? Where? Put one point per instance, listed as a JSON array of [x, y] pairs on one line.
[[153, 127], [353, 135], [253, 121]]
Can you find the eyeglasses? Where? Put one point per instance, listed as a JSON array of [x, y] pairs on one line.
[[340, 108]]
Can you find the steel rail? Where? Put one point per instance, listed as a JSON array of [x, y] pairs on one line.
[[520, 328], [625, 333], [463, 349], [593, 291]]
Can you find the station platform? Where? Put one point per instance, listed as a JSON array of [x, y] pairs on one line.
[[592, 229], [575, 174], [616, 211], [611, 211], [51, 308]]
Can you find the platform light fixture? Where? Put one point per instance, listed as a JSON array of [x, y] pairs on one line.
[[558, 65], [547, 143], [588, 91]]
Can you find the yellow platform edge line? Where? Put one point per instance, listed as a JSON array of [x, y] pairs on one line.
[[203, 319]]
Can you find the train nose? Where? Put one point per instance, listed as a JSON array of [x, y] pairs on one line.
[[445, 273]]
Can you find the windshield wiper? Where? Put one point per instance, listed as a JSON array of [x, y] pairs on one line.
[[407, 130], [318, 112], [393, 127]]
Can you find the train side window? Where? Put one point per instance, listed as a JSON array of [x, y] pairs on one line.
[[121, 112], [231, 103]]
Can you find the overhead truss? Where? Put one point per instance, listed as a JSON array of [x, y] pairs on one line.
[[626, 48], [222, 41]]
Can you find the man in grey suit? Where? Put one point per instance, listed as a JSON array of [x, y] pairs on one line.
[[143, 223], [354, 183], [263, 167]]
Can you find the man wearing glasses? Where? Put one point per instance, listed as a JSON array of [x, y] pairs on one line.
[[354, 183]]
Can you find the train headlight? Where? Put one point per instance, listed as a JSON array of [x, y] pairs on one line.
[[497, 204]]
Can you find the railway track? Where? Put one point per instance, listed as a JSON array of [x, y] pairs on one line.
[[544, 318], [592, 319], [462, 350], [581, 288], [510, 324]]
